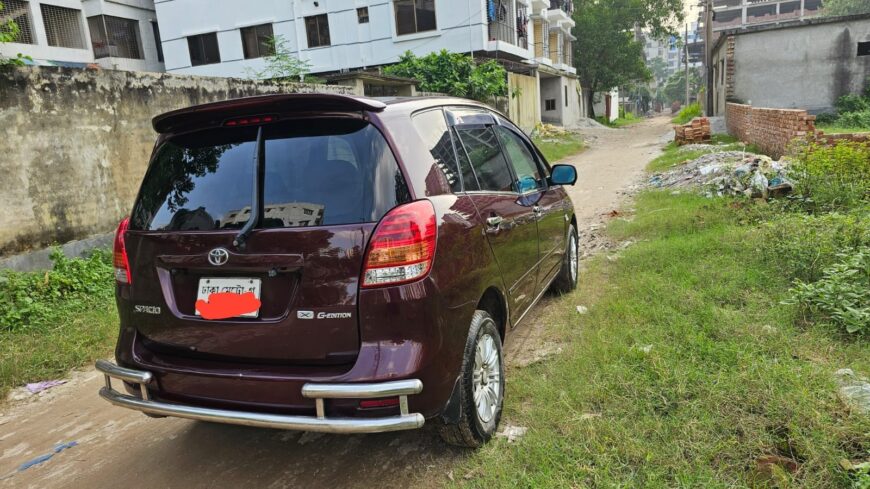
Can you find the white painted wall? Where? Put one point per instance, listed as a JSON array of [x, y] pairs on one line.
[[42, 53], [462, 27]]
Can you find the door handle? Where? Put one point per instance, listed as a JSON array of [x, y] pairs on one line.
[[494, 221]]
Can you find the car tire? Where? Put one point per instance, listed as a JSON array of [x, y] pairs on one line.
[[479, 414], [566, 281]]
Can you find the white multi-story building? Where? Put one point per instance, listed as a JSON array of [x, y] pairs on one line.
[[114, 34], [220, 38]]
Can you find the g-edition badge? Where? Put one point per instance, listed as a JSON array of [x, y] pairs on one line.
[[323, 315]]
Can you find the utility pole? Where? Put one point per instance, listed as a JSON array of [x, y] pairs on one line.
[[686, 53], [708, 54]]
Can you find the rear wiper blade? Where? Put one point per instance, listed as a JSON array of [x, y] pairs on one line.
[[239, 240]]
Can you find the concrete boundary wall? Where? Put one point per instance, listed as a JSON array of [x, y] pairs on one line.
[[75, 143], [772, 130]]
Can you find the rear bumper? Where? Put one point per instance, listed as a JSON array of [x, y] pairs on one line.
[[317, 391]]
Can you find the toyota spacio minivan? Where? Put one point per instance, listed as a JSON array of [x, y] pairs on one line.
[[335, 264]]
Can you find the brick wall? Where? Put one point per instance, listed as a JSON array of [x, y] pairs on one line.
[[772, 130], [75, 144]]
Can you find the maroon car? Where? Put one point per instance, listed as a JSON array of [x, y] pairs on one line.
[[336, 264]]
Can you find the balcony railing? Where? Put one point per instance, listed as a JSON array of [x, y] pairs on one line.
[[566, 5], [503, 30]]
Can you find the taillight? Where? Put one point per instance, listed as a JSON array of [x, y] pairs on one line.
[[402, 247], [122, 264]]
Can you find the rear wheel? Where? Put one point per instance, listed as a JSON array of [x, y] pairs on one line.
[[482, 386], [566, 281]]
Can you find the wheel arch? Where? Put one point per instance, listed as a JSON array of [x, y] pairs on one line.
[[493, 302]]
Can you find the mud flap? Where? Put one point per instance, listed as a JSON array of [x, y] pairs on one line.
[[453, 409]]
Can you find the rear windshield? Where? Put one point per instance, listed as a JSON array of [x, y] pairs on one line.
[[316, 172]]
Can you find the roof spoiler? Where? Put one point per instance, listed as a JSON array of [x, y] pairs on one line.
[[215, 113]]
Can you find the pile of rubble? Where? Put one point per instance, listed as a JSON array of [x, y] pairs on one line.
[[729, 173], [697, 131]]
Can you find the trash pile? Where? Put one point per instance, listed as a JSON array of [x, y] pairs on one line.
[[729, 173], [697, 131]]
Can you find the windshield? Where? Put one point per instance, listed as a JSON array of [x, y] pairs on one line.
[[316, 172]]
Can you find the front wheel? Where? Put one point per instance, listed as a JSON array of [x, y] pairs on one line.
[[566, 281], [482, 386]]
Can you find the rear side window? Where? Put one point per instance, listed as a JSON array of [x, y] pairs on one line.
[[486, 157], [432, 128], [316, 172]]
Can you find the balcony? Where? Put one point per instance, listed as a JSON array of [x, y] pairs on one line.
[[503, 32], [566, 6]]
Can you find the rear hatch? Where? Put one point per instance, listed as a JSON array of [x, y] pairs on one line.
[[324, 182]]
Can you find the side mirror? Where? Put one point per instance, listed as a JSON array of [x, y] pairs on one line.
[[563, 175]]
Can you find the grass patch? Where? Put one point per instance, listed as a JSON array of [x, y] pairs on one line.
[[837, 129], [626, 119], [559, 146], [685, 371], [51, 350], [688, 113], [53, 321], [674, 155]]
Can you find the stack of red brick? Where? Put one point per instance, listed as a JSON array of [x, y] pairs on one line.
[[695, 132]]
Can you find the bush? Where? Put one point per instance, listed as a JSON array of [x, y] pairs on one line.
[[842, 296], [688, 113], [802, 246], [826, 118], [852, 103], [29, 298], [453, 73], [855, 120], [832, 177]]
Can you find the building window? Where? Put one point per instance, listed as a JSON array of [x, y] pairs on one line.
[[114, 37], [864, 48], [566, 96], [550, 104], [18, 11], [257, 41], [204, 49], [414, 16], [317, 27], [156, 29], [63, 26], [362, 15]]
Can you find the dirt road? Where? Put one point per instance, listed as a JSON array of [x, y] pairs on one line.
[[121, 448]]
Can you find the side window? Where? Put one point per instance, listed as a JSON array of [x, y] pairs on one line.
[[468, 177], [432, 128], [486, 157], [521, 159]]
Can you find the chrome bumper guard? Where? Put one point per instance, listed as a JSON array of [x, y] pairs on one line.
[[318, 392]]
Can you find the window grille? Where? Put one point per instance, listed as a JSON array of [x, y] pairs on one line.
[[63, 26], [317, 28], [204, 49], [18, 11], [257, 41], [114, 37], [362, 15]]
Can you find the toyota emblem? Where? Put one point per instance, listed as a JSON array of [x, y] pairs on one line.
[[218, 256]]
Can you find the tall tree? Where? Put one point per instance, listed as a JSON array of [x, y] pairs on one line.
[[832, 8], [606, 52]]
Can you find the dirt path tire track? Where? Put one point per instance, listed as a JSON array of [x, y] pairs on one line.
[[121, 448]]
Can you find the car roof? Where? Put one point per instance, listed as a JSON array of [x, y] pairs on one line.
[[216, 112]]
